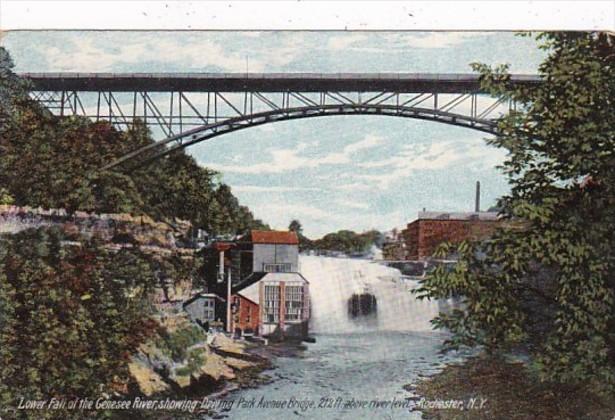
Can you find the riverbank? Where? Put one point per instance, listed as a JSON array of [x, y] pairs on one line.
[[240, 367], [485, 388], [181, 360]]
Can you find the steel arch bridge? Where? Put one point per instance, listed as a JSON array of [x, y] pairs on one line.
[[188, 108]]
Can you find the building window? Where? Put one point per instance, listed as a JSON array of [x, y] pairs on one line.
[[277, 268], [209, 312], [293, 296], [271, 311]]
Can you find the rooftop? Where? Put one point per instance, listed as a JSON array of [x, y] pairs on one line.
[[440, 215], [273, 237]]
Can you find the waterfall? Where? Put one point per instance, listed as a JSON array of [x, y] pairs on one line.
[[333, 281]]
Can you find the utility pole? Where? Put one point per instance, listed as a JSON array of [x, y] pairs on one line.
[[228, 289], [228, 303], [477, 199]]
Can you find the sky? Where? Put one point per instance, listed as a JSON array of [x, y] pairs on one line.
[[331, 173]]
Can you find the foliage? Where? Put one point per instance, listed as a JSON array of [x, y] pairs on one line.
[[295, 226], [55, 163], [345, 241], [178, 268], [305, 243], [195, 360], [508, 389], [12, 88], [175, 344], [70, 316], [546, 281], [5, 197]]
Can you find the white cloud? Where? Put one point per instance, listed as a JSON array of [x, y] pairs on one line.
[[437, 156], [397, 42], [87, 54], [282, 212], [273, 189], [352, 204], [341, 42], [318, 221], [91, 53], [353, 186], [430, 39], [284, 160]]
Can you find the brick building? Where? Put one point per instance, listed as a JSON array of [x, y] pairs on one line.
[[245, 315], [430, 229]]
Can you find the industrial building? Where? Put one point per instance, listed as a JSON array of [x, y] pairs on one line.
[[260, 273]]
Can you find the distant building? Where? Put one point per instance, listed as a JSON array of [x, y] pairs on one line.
[[205, 308], [269, 296], [430, 229], [393, 247]]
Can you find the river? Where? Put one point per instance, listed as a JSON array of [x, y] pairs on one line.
[[360, 367], [357, 367]]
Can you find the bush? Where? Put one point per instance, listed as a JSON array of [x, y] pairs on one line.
[[70, 317], [196, 358], [175, 344], [545, 282]]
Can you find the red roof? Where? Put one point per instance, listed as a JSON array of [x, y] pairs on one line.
[[274, 237], [222, 246]]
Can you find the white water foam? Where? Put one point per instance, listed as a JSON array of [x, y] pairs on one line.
[[334, 280]]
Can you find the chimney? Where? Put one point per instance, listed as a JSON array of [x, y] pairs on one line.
[[477, 201]]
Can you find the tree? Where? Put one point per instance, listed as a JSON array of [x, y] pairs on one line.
[[12, 88], [70, 317], [546, 281], [295, 226], [346, 241], [55, 162]]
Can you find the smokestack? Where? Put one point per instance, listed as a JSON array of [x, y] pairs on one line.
[[477, 201]]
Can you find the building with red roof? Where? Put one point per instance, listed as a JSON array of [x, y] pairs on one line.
[[269, 296], [282, 237]]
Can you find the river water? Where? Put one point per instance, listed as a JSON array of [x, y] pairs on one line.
[[357, 367]]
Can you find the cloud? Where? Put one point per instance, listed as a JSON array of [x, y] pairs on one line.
[[83, 53], [273, 189], [92, 52], [436, 156], [430, 39], [399, 42], [281, 212], [319, 221], [353, 186], [285, 160], [352, 204], [341, 42]]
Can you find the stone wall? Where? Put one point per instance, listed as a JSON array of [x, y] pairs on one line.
[[115, 228]]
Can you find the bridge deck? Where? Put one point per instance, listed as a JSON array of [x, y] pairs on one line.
[[269, 82]]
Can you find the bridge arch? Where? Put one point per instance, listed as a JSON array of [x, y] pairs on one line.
[[208, 131]]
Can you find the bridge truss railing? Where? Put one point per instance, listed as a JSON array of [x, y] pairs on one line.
[[175, 112], [186, 109]]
